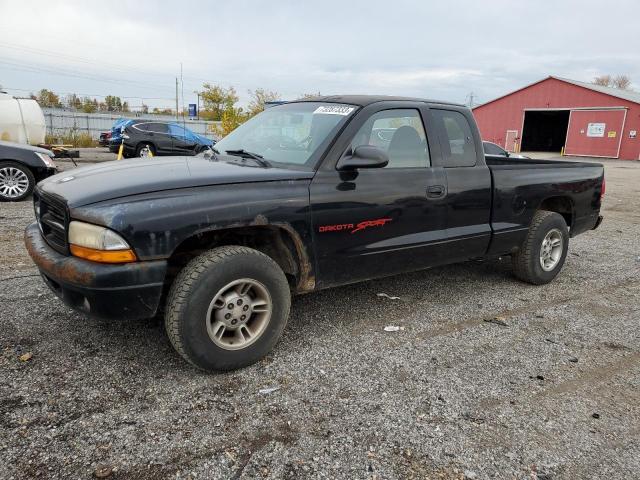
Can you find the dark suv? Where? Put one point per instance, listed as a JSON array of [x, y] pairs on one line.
[[160, 138]]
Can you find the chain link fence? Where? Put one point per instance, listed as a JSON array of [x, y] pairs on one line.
[[62, 122]]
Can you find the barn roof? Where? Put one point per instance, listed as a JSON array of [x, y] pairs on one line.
[[629, 95]]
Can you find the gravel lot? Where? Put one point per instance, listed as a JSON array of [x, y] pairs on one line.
[[552, 393]]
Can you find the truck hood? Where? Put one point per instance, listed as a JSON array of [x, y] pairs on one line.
[[120, 178]]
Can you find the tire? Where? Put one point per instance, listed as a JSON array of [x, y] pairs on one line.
[[143, 146], [528, 262], [16, 182], [193, 312]]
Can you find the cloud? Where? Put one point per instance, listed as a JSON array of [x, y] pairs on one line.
[[437, 50]]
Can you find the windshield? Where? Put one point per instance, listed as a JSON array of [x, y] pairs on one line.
[[293, 134]]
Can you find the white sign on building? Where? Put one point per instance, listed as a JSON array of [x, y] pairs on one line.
[[596, 129]]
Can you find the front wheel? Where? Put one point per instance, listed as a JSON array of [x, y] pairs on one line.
[[227, 308], [16, 182], [542, 255]]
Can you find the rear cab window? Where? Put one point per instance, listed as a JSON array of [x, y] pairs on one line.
[[456, 140]]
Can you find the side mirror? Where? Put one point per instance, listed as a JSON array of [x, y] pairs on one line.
[[506, 154], [364, 156]]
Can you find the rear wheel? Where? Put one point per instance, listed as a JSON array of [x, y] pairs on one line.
[[146, 150], [16, 182], [227, 308], [544, 251]]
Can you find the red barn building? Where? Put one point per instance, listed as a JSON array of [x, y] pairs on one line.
[[555, 113]]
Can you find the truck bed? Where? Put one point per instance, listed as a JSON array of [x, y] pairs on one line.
[[520, 186], [525, 163]]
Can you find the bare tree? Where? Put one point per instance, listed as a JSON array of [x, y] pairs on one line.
[[602, 80], [623, 82]]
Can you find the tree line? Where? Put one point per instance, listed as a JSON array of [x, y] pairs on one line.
[[218, 104], [111, 103], [622, 82]]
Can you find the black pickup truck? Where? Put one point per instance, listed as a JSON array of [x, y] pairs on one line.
[[307, 195]]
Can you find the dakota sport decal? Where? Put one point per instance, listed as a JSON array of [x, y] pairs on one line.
[[350, 227]]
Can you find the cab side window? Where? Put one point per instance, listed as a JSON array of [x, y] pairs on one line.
[[456, 139], [400, 134]]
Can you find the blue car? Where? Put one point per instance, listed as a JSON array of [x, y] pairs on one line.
[[141, 137]]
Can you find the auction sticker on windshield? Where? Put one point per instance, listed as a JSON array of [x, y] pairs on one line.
[[334, 110]]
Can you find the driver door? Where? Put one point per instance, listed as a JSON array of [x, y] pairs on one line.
[[374, 222]]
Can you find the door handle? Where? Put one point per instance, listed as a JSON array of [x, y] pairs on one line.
[[435, 191]]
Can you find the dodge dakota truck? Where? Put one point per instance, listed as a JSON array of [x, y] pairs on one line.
[[307, 195]]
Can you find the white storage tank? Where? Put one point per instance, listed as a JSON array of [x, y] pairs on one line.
[[21, 120]]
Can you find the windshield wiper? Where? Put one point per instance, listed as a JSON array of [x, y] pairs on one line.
[[241, 152]]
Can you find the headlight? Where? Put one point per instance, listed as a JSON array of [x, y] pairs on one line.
[[98, 244], [48, 161]]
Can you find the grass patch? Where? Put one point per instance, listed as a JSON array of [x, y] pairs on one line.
[[74, 138]]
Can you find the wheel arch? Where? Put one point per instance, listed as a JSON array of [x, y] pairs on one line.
[[281, 242], [562, 205]]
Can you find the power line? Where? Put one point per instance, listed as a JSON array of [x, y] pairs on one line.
[[85, 60], [75, 74], [89, 94], [49, 53]]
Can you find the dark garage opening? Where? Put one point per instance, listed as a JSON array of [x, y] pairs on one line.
[[544, 131]]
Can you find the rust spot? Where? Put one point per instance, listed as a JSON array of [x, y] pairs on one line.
[[63, 269], [306, 281]]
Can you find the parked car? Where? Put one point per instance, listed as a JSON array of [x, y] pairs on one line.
[[21, 167], [294, 200], [104, 138], [116, 133], [159, 138], [494, 149]]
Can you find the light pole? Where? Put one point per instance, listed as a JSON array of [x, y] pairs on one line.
[[197, 104]]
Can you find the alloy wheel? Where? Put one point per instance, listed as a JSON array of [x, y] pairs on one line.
[[13, 182], [239, 314]]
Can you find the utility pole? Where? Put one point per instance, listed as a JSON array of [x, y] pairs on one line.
[[470, 97], [177, 99], [182, 91]]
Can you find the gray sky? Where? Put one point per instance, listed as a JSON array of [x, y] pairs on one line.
[[442, 50]]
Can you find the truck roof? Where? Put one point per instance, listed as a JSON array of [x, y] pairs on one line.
[[364, 100]]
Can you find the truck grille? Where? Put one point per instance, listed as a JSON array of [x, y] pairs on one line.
[[52, 217]]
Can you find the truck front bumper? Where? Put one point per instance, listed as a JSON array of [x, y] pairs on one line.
[[126, 291]]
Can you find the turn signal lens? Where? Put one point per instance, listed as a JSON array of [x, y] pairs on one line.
[[98, 244], [103, 256]]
